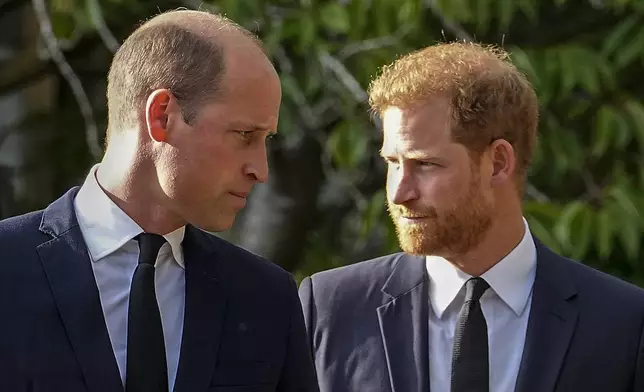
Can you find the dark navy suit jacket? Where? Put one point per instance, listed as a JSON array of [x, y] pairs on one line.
[[243, 325], [368, 328]]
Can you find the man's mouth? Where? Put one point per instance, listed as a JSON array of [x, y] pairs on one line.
[[243, 195]]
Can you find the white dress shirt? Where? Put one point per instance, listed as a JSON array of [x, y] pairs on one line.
[[505, 305], [109, 233]]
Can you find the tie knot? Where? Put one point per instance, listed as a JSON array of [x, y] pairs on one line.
[[474, 289], [149, 245]]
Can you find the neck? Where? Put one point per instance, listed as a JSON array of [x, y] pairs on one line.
[[129, 179], [500, 239]]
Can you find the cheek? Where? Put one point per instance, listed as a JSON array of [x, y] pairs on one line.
[[205, 159], [442, 188]]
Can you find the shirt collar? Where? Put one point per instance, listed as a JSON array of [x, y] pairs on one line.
[[511, 278], [106, 228]]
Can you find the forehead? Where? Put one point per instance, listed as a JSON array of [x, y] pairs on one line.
[[422, 126], [250, 93]]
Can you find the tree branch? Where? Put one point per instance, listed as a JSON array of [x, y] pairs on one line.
[[342, 73], [104, 32], [450, 25], [72, 79], [367, 45], [26, 68]]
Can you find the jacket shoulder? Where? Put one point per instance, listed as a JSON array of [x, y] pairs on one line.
[[246, 268], [360, 272], [362, 280], [20, 227], [602, 285]]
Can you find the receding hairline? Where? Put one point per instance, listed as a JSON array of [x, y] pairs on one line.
[[209, 25]]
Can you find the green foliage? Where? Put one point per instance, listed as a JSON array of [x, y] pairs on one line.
[[585, 197]]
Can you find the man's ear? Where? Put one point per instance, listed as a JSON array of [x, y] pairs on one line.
[[503, 162], [156, 114]]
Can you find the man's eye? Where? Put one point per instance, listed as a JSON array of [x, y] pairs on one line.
[[391, 161], [244, 134]]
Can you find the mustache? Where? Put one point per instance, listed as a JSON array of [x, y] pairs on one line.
[[397, 210]]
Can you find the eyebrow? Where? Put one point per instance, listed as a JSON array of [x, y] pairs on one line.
[[412, 154], [254, 128]]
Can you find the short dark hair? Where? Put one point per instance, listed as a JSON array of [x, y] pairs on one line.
[[167, 54]]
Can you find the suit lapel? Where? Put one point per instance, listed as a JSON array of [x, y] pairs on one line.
[[404, 325], [204, 314], [553, 317], [67, 266]]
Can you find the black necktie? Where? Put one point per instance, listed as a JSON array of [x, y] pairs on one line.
[[146, 362], [470, 352]]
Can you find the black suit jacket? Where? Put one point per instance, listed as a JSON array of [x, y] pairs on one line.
[[368, 328], [243, 326]]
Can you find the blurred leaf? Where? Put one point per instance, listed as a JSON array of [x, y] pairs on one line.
[[604, 122], [604, 233], [624, 201], [506, 11], [614, 42], [231, 8], [561, 161], [607, 74], [626, 55], [529, 8], [462, 11], [624, 211], [314, 79], [63, 6], [581, 232], [373, 213], [629, 235], [564, 224], [483, 14], [571, 146], [290, 88], [63, 24], [308, 34], [335, 17], [569, 70], [348, 146], [622, 131], [410, 12], [358, 12], [287, 123], [620, 5], [550, 74], [522, 61], [636, 111], [547, 213], [273, 37], [382, 17], [544, 234], [589, 76]]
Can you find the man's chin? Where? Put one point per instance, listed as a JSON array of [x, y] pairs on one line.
[[417, 247], [218, 225]]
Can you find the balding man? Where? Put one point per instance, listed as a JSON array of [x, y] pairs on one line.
[[116, 285]]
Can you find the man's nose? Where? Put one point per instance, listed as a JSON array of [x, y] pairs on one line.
[[257, 169], [402, 187]]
